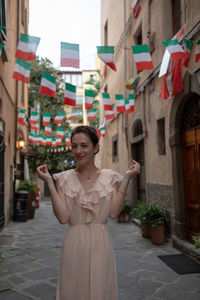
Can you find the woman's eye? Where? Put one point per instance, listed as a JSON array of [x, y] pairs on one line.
[[74, 146]]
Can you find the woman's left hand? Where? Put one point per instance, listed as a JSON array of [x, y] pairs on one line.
[[133, 170]]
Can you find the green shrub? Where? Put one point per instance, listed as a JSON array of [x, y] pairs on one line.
[[127, 208], [142, 212], [27, 185], [196, 240]]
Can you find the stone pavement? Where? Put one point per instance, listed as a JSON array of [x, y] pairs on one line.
[[29, 260]]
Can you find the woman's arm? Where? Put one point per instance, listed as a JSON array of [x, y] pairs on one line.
[[118, 197], [57, 196]]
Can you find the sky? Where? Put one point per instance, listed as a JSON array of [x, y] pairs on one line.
[[70, 21]]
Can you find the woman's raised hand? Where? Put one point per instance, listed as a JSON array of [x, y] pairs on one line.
[[133, 170], [43, 173]]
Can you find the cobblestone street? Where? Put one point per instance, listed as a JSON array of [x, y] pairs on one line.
[[30, 252]]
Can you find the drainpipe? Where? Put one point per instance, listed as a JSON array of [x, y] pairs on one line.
[[16, 112]]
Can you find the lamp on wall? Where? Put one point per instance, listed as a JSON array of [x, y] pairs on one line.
[[20, 143]]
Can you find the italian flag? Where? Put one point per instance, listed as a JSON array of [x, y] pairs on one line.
[[53, 142], [129, 104], [48, 130], [197, 52], [106, 101], [58, 141], [69, 55], [60, 133], [120, 102], [106, 54], [70, 94], [131, 98], [35, 126], [91, 114], [67, 141], [27, 47], [43, 141], [21, 117], [34, 118], [59, 118], [142, 57], [187, 48], [48, 85], [46, 119], [22, 70], [1, 47], [109, 114], [89, 98], [49, 140], [74, 114], [175, 49], [102, 127]]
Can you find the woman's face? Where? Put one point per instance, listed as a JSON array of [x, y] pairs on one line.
[[83, 149]]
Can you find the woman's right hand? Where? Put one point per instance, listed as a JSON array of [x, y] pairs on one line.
[[43, 173]]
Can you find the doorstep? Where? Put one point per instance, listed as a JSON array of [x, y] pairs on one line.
[[186, 247]]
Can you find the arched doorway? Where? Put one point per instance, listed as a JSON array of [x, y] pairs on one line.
[[190, 140], [137, 153]]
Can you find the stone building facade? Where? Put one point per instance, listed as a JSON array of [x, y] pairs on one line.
[[162, 134], [14, 16]]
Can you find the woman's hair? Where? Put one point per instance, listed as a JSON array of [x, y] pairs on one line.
[[89, 131]]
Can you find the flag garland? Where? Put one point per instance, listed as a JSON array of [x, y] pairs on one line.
[[48, 130], [197, 51], [48, 85], [106, 101], [91, 114], [142, 57], [120, 104], [102, 127], [21, 117], [60, 133], [22, 70], [89, 98], [187, 48], [70, 94], [34, 118], [69, 55], [175, 49], [67, 141], [27, 47], [59, 117], [46, 119], [106, 54], [74, 114]]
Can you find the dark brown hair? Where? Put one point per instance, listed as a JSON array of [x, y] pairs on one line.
[[89, 131]]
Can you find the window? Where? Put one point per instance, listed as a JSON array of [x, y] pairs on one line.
[[115, 148], [138, 36], [161, 136], [3, 18], [176, 16]]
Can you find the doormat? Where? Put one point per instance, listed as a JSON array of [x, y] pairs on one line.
[[181, 263]]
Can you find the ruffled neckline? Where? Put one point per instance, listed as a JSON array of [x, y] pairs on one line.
[[94, 185]]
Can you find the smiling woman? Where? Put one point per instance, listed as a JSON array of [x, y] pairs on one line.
[[85, 198], [62, 22]]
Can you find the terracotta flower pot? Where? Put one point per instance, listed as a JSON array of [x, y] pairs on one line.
[[122, 218], [146, 230], [158, 234]]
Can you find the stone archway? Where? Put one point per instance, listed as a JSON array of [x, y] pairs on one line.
[[179, 221], [137, 135]]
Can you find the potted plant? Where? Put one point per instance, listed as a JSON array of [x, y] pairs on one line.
[[142, 212], [158, 220], [30, 187], [125, 212]]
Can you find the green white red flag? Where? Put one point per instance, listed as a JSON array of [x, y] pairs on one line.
[[187, 48], [197, 51], [69, 55], [74, 114], [48, 85], [120, 104], [53, 142], [70, 94], [89, 98], [34, 117], [91, 114], [48, 130], [1, 48], [22, 70], [21, 116], [175, 49], [102, 127], [46, 119], [60, 133], [59, 117], [142, 57], [58, 141], [67, 141], [106, 54], [106, 101], [35, 126], [129, 104], [49, 140], [109, 114], [27, 47]]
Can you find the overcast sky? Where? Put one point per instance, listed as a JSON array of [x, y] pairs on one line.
[[71, 21]]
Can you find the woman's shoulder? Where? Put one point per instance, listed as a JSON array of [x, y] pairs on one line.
[[63, 174]]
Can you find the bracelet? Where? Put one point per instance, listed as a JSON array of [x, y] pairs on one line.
[[122, 192]]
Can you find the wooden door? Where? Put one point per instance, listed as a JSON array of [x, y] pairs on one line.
[[191, 167], [141, 176]]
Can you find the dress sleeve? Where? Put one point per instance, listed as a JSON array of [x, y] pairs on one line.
[[116, 177], [63, 178]]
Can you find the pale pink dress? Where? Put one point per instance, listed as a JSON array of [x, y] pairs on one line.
[[87, 267]]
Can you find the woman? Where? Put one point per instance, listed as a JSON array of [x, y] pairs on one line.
[[84, 198]]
